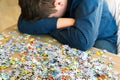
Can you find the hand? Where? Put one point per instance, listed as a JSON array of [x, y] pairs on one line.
[[65, 22]]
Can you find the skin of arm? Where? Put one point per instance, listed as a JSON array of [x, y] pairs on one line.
[[65, 22]]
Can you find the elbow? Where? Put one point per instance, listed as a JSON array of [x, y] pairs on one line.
[[20, 28], [19, 25], [83, 44], [87, 42], [86, 46]]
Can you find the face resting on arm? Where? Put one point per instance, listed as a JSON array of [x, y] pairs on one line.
[[39, 9]]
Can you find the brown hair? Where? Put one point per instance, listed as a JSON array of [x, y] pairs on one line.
[[36, 9]]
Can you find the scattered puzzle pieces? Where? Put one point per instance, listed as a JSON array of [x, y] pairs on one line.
[[24, 57]]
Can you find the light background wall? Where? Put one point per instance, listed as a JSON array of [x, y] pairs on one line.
[[9, 12]]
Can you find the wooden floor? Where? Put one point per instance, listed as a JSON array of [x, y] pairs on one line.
[[9, 12]]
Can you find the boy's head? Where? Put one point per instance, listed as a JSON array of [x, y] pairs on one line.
[[37, 9]]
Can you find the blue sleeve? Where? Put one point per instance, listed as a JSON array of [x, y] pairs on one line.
[[42, 26], [85, 30]]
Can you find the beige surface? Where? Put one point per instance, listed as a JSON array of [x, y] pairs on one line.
[[9, 12]]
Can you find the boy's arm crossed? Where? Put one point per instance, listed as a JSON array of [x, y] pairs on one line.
[[43, 26]]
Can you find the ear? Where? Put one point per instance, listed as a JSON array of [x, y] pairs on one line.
[[58, 3]]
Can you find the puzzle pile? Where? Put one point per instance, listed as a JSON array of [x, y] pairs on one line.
[[23, 57]]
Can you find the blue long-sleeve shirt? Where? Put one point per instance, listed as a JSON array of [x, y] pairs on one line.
[[93, 21]]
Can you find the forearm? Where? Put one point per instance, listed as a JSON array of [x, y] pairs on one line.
[[38, 27], [43, 26], [65, 22]]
